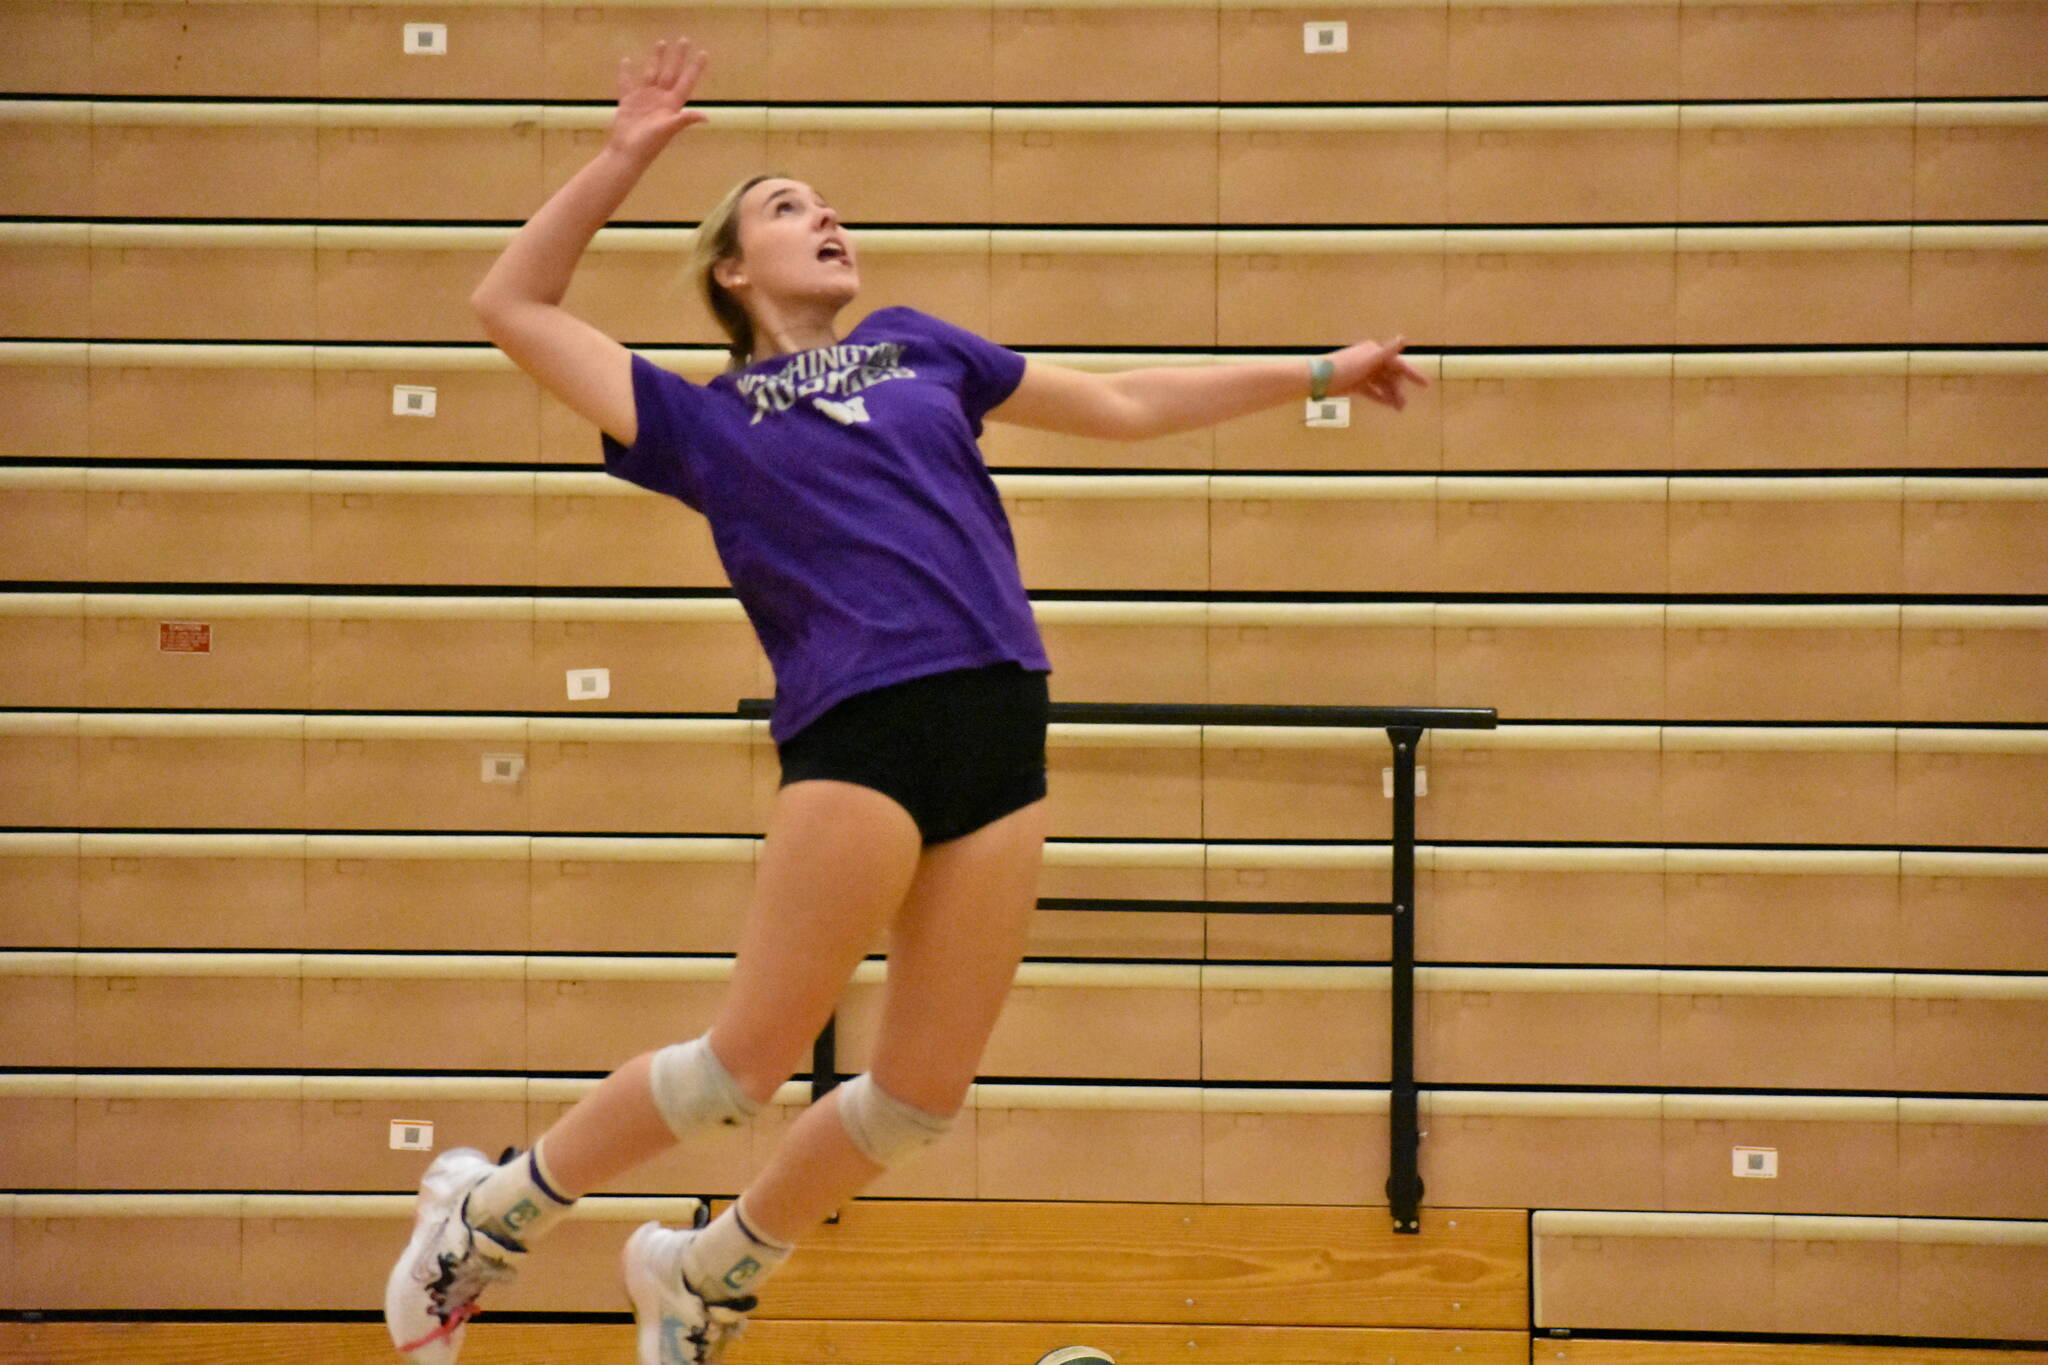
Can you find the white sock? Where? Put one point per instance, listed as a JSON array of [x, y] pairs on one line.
[[730, 1257], [518, 1202]]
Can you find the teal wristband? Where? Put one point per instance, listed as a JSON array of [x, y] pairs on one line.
[[1320, 372]]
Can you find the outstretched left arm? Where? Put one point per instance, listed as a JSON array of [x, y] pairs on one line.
[[1132, 405]]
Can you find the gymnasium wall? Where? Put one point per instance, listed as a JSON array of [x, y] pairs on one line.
[[1727, 493]]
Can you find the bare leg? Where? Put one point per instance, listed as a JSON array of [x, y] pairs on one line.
[[608, 1132], [953, 953], [836, 864], [814, 1170]]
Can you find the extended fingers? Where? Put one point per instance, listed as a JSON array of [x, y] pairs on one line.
[[1390, 367], [693, 71], [1383, 371], [1383, 382], [1398, 364], [682, 61], [1392, 370]]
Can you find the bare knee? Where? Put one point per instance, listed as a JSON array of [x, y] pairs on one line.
[[763, 1064], [932, 1090], [760, 1063]]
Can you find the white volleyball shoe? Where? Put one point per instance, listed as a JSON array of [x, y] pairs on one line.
[[432, 1290], [677, 1325]]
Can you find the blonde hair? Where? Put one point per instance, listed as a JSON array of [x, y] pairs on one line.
[[718, 239]]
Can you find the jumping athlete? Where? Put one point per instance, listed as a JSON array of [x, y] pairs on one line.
[[864, 537]]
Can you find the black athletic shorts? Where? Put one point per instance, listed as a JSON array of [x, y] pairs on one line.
[[957, 750]]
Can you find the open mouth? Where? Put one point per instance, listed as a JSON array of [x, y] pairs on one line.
[[835, 251]]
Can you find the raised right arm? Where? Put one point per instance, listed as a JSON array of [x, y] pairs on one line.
[[519, 301]]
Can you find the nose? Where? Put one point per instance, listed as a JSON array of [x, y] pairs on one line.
[[828, 217]]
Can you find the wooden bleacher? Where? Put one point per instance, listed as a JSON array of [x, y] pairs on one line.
[[1726, 493]]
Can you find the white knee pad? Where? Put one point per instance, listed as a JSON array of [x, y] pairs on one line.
[[692, 1089], [884, 1128]]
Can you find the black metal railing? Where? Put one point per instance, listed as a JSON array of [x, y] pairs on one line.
[[1404, 726]]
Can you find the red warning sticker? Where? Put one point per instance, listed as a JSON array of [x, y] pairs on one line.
[[184, 637]]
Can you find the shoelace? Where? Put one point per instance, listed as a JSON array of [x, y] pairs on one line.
[[723, 1324], [462, 1279], [724, 1320], [446, 1329]]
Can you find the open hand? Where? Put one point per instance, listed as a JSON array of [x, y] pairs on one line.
[[1376, 371], [654, 95]]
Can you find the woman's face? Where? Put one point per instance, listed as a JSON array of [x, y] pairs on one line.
[[792, 247]]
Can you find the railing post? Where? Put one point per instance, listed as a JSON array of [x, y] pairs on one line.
[[825, 1070], [825, 1060], [1404, 1140]]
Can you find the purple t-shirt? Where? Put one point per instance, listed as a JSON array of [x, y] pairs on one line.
[[850, 504]]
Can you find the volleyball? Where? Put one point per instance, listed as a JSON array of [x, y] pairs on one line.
[[1076, 1355]]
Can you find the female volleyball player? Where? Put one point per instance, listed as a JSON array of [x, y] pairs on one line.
[[864, 537]]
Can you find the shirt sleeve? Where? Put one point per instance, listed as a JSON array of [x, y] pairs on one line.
[[666, 407], [988, 373]]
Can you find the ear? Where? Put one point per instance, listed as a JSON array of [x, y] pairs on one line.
[[728, 273]]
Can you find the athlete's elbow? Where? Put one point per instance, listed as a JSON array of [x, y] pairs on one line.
[[498, 313], [488, 307], [1125, 415], [498, 299]]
